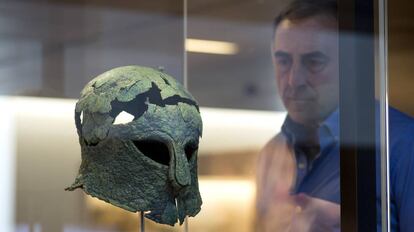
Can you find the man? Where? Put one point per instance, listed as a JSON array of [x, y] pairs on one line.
[[298, 172]]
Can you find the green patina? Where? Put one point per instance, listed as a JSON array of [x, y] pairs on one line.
[[115, 168]]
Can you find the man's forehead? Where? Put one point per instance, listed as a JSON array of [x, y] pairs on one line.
[[307, 34]]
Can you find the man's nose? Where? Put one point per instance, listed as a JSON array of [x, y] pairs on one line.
[[296, 75]]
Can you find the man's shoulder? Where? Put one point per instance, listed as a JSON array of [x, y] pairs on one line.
[[274, 146], [277, 140], [401, 139], [401, 126]]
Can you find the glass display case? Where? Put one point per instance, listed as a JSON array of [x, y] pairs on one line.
[[293, 98]]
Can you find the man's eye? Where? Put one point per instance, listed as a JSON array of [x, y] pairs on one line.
[[282, 64], [315, 65]]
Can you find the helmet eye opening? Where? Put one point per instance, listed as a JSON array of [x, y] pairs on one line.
[[155, 150]]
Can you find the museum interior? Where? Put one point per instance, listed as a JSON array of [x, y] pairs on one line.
[[218, 49]]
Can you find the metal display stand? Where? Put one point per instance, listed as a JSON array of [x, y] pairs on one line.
[[186, 224], [142, 221]]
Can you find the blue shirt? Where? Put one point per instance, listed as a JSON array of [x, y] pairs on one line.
[[320, 177]]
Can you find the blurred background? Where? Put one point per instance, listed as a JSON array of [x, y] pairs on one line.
[[50, 49]]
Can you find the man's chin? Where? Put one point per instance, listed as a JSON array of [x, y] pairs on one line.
[[301, 105], [303, 116]]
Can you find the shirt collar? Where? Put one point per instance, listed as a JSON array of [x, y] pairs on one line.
[[330, 124]]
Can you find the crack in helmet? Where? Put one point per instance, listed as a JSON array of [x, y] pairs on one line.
[[150, 163]]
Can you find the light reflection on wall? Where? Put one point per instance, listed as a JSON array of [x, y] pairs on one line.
[[229, 130], [48, 158], [227, 206], [7, 165], [211, 47]]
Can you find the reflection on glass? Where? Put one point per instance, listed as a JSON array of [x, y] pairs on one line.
[[53, 49], [298, 172]]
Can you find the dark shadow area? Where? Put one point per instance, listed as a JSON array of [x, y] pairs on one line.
[[154, 150], [189, 149]]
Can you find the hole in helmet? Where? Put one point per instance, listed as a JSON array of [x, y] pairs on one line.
[[123, 118], [154, 150], [189, 149]]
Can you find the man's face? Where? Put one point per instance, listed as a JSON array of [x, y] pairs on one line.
[[305, 57]]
